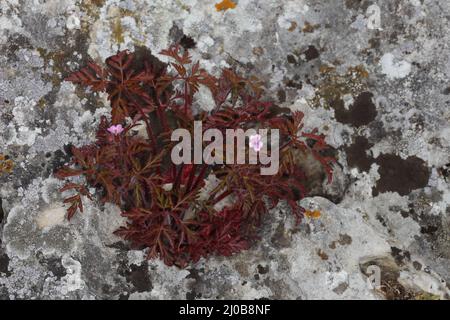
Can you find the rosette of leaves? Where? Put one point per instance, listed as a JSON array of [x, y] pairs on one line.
[[165, 205]]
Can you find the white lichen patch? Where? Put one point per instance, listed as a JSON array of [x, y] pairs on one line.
[[9, 23], [319, 279], [294, 11], [124, 25], [167, 281], [73, 22], [393, 68], [322, 119]]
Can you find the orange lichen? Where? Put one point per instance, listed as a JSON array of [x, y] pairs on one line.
[[225, 5], [6, 165], [315, 214]]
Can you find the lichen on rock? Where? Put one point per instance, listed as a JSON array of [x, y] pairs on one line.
[[377, 86]]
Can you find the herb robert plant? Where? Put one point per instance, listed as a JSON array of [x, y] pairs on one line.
[[182, 212]]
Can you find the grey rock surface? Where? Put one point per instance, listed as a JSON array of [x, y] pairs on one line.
[[372, 75]]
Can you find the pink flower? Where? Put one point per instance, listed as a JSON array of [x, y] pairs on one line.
[[256, 142], [115, 130]]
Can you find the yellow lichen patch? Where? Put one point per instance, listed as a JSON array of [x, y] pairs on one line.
[[314, 214], [98, 3], [117, 31], [225, 5], [6, 165], [293, 26], [42, 103], [334, 85], [358, 72], [309, 28], [92, 9], [324, 69]]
